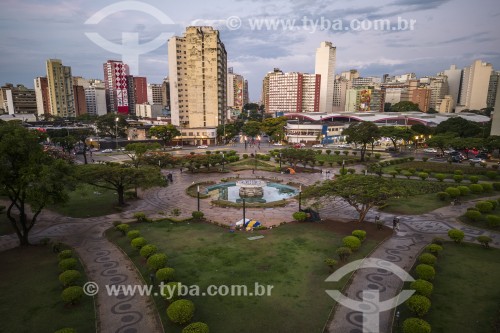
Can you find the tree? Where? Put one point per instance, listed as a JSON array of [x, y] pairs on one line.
[[274, 127], [119, 177], [137, 150], [421, 129], [360, 192], [107, 125], [165, 133], [460, 127], [227, 131], [362, 133], [29, 178], [441, 141], [81, 135], [395, 134], [295, 156], [251, 128], [405, 106]]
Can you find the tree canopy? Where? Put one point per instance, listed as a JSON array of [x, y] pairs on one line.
[[460, 127], [360, 192], [395, 134], [251, 128], [362, 133], [165, 133], [137, 150], [107, 125], [274, 127], [405, 106], [30, 178]]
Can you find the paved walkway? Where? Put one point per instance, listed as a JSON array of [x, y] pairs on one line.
[[106, 264]]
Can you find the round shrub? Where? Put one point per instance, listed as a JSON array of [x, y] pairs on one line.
[[197, 327], [434, 249], [157, 261], [197, 215], [496, 186], [69, 277], [170, 291], [416, 325], [343, 252], [493, 221], [425, 272], [443, 196], [133, 234], [148, 250], [165, 274], [464, 190], [423, 175], [487, 187], [458, 178], [484, 206], [494, 203], [438, 240], [476, 188], [66, 330], [138, 243], [456, 235], [440, 177], [484, 240], [474, 179], [65, 254], [299, 216], [181, 311], [351, 242], [473, 215], [419, 305], [123, 228], [72, 294], [427, 258], [361, 234], [491, 174], [453, 192], [422, 287], [68, 264]]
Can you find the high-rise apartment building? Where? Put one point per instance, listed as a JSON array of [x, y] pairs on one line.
[[422, 97], [42, 96], [154, 93], [492, 89], [236, 88], [17, 99], [340, 88], [265, 88], [294, 92], [80, 100], [197, 64], [165, 93], [475, 82], [439, 88], [60, 85], [325, 66], [363, 99], [395, 95], [95, 98], [115, 79], [495, 118]]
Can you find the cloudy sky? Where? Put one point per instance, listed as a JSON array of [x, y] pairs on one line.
[[445, 32]]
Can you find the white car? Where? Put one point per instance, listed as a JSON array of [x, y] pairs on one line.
[[344, 146], [202, 147], [318, 146], [176, 147], [449, 151], [107, 151], [277, 144], [430, 150], [477, 160]]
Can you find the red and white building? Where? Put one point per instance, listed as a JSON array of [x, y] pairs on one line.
[[294, 92], [115, 79]]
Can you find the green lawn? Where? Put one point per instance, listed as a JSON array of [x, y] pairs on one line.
[[289, 257], [30, 297], [88, 201], [466, 295], [482, 223], [250, 163], [416, 205]]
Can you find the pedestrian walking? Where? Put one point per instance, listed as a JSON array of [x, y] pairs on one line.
[[170, 177], [394, 223]]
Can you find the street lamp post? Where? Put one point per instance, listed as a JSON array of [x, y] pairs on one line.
[[343, 167], [198, 196], [222, 161], [116, 132], [280, 162], [300, 198]]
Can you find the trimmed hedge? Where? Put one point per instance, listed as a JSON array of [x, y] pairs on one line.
[[453, 192], [68, 264], [427, 258], [361, 234], [422, 287], [148, 250], [456, 235], [197, 327], [343, 252], [72, 294], [170, 291], [473, 215], [165, 274], [69, 277], [484, 240], [419, 305], [434, 249], [123, 228], [416, 325], [493, 221], [484, 206], [133, 234], [157, 261], [65, 254], [138, 243], [476, 188]]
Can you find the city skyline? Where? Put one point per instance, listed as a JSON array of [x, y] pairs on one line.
[[446, 32]]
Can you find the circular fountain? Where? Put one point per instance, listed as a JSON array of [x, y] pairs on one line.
[[252, 190]]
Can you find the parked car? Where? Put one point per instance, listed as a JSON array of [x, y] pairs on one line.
[[318, 146], [449, 151], [477, 160], [176, 147], [277, 144], [346, 146], [483, 156], [430, 150], [107, 151], [455, 159], [202, 147]]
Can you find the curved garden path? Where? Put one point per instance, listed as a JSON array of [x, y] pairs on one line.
[[106, 264]]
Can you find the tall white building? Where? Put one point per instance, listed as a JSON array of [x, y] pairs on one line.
[[155, 93], [454, 75], [475, 82], [342, 84], [95, 97], [325, 66]]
